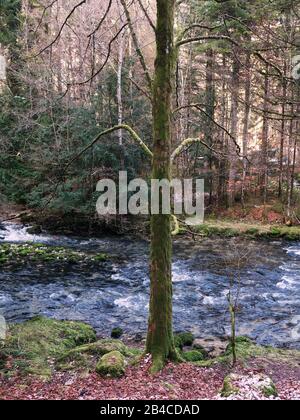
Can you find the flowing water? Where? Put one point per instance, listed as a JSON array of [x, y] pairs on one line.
[[117, 293]]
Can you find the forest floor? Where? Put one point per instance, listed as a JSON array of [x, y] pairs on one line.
[[176, 382], [53, 360]]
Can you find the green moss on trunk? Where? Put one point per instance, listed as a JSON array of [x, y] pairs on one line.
[[160, 340]]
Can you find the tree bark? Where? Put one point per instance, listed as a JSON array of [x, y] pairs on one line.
[[282, 135], [246, 124], [235, 86], [210, 110], [160, 340], [265, 138]]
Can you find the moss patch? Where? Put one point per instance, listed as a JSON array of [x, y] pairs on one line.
[[247, 350], [18, 254], [184, 339], [111, 364], [35, 345], [208, 230], [193, 356], [117, 333], [229, 229], [228, 387], [270, 391], [84, 356]]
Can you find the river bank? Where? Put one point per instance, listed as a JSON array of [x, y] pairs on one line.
[[48, 359], [258, 223]]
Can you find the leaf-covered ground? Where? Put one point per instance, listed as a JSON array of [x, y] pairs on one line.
[[176, 382]]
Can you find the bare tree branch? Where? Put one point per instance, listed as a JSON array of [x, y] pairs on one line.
[[206, 38], [143, 91], [61, 28], [43, 15], [136, 45], [102, 20], [69, 85], [198, 107], [147, 15]]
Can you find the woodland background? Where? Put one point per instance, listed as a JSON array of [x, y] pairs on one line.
[[235, 91]]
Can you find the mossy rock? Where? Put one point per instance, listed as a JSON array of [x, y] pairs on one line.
[[111, 364], [246, 350], [270, 390], [34, 230], [228, 387], [117, 332], [35, 345], [80, 357], [184, 339], [101, 258], [211, 230], [20, 254], [241, 342], [254, 232], [193, 356], [241, 383]]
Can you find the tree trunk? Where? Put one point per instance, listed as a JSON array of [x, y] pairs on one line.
[[223, 167], [282, 135], [119, 87], [160, 341], [234, 130], [265, 138], [289, 172], [210, 111], [246, 124]]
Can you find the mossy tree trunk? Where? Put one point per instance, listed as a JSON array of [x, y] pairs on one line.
[[160, 341]]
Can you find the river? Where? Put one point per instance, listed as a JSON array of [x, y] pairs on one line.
[[117, 294]]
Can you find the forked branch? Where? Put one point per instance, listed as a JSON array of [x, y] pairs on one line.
[[133, 134]]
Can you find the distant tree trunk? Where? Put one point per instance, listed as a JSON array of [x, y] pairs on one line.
[[222, 169], [295, 146], [15, 62], [120, 97], [265, 138], [235, 85], [289, 172], [119, 87], [282, 135], [246, 124], [160, 341], [210, 111]]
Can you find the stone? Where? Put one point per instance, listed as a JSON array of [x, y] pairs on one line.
[[111, 364], [214, 346], [117, 333], [193, 356], [249, 386], [34, 230]]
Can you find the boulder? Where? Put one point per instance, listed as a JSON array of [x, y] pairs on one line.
[[184, 339], [2, 227], [111, 364], [249, 387], [214, 346], [117, 333], [34, 230], [193, 356]]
